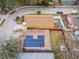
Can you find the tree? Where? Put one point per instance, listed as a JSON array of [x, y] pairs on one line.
[[38, 12], [45, 2], [3, 4], [6, 5], [10, 49], [11, 4]]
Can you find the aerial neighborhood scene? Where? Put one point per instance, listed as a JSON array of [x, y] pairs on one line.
[[39, 29]]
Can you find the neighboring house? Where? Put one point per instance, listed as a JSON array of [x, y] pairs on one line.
[[73, 20], [65, 2], [77, 1], [70, 20], [68, 2], [76, 20], [54, 0], [33, 1]]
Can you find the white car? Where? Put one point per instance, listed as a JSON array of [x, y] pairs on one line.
[[74, 12]]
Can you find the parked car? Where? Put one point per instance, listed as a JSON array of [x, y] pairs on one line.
[[74, 12]]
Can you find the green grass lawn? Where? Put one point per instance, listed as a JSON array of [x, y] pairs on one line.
[[56, 42], [56, 39]]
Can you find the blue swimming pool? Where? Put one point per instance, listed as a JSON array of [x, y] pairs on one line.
[[30, 42]]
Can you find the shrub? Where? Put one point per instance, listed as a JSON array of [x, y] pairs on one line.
[[10, 49], [38, 12], [45, 2]]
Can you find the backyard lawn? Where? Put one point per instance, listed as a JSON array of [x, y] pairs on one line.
[[56, 40]]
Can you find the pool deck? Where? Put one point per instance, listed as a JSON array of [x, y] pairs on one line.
[[35, 33]]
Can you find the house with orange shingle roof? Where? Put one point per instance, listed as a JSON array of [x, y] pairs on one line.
[[39, 21]]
